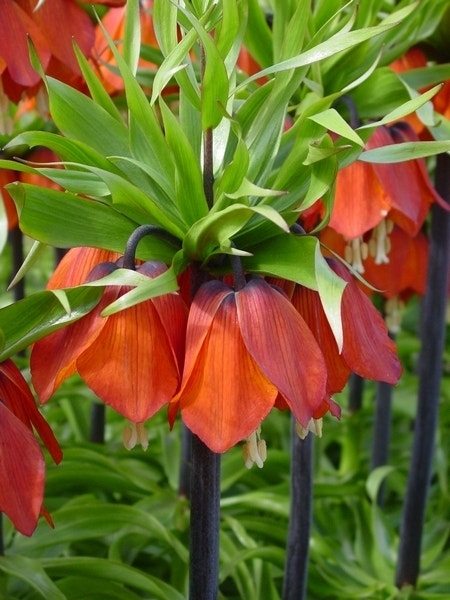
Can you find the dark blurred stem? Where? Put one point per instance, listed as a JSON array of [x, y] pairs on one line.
[[205, 522], [16, 241], [184, 480], [97, 432], [297, 549], [430, 374], [382, 430], [355, 393]]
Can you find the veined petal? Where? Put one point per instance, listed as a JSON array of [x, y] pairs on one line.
[[204, 306], [22, 472], [283, 347], [53, 358], [368, 350], [226, 396], [131, 365]]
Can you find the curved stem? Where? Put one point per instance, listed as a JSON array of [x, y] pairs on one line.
[[129, 257], [300, 517], [430, 374]]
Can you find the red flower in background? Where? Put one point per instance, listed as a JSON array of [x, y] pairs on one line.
[[22, 464], [52, 29]]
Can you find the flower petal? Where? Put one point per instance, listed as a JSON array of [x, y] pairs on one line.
[[130, 365], [283, 347], [226, 396], [16, 395], [368, 349], [22, 472]]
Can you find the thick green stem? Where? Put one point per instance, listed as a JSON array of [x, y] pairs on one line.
[[430, 374], [297, 549]]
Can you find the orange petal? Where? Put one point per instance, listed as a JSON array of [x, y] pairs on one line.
[[226, 396], [22, 472], [131, 365], [360, 202], [283, 347]]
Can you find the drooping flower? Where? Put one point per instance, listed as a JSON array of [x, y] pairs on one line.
[[22, 464], [130, 359], [243, 349]]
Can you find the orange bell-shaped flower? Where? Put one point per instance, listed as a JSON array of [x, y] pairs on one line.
[[243, 348]]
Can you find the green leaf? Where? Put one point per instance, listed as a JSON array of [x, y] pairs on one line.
[[189, 193], [332, 120], [132, 35], [31, 572], [96, 88], [110, 570], [64, 220], [28, 320], [337, 43], [394, 153], [79, 117], [213, 233], [330, 287], [214, 88], [145, 289], [375, 480], [291, 257]]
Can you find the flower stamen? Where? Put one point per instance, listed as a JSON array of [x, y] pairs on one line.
[[134, 434], [314, 426], [255, 450]]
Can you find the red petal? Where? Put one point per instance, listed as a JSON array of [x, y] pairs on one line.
[[309, 305], [226, 395], [76, 265], [22, 472], [15, 26], [283, 347], [368, 349], [16, 395]]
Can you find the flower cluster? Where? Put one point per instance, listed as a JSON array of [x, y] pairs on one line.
[[225, 362]]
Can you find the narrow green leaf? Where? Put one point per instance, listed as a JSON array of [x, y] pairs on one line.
[[337, 43], [189, 193], [96, 88], [330, 288], [28, 320], [403, 110], [31, 572], [33, 256], [404, 151], [332, 120], [132, 35], [150, 288]]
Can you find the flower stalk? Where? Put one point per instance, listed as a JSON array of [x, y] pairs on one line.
[[430, 375], [297, 549]]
